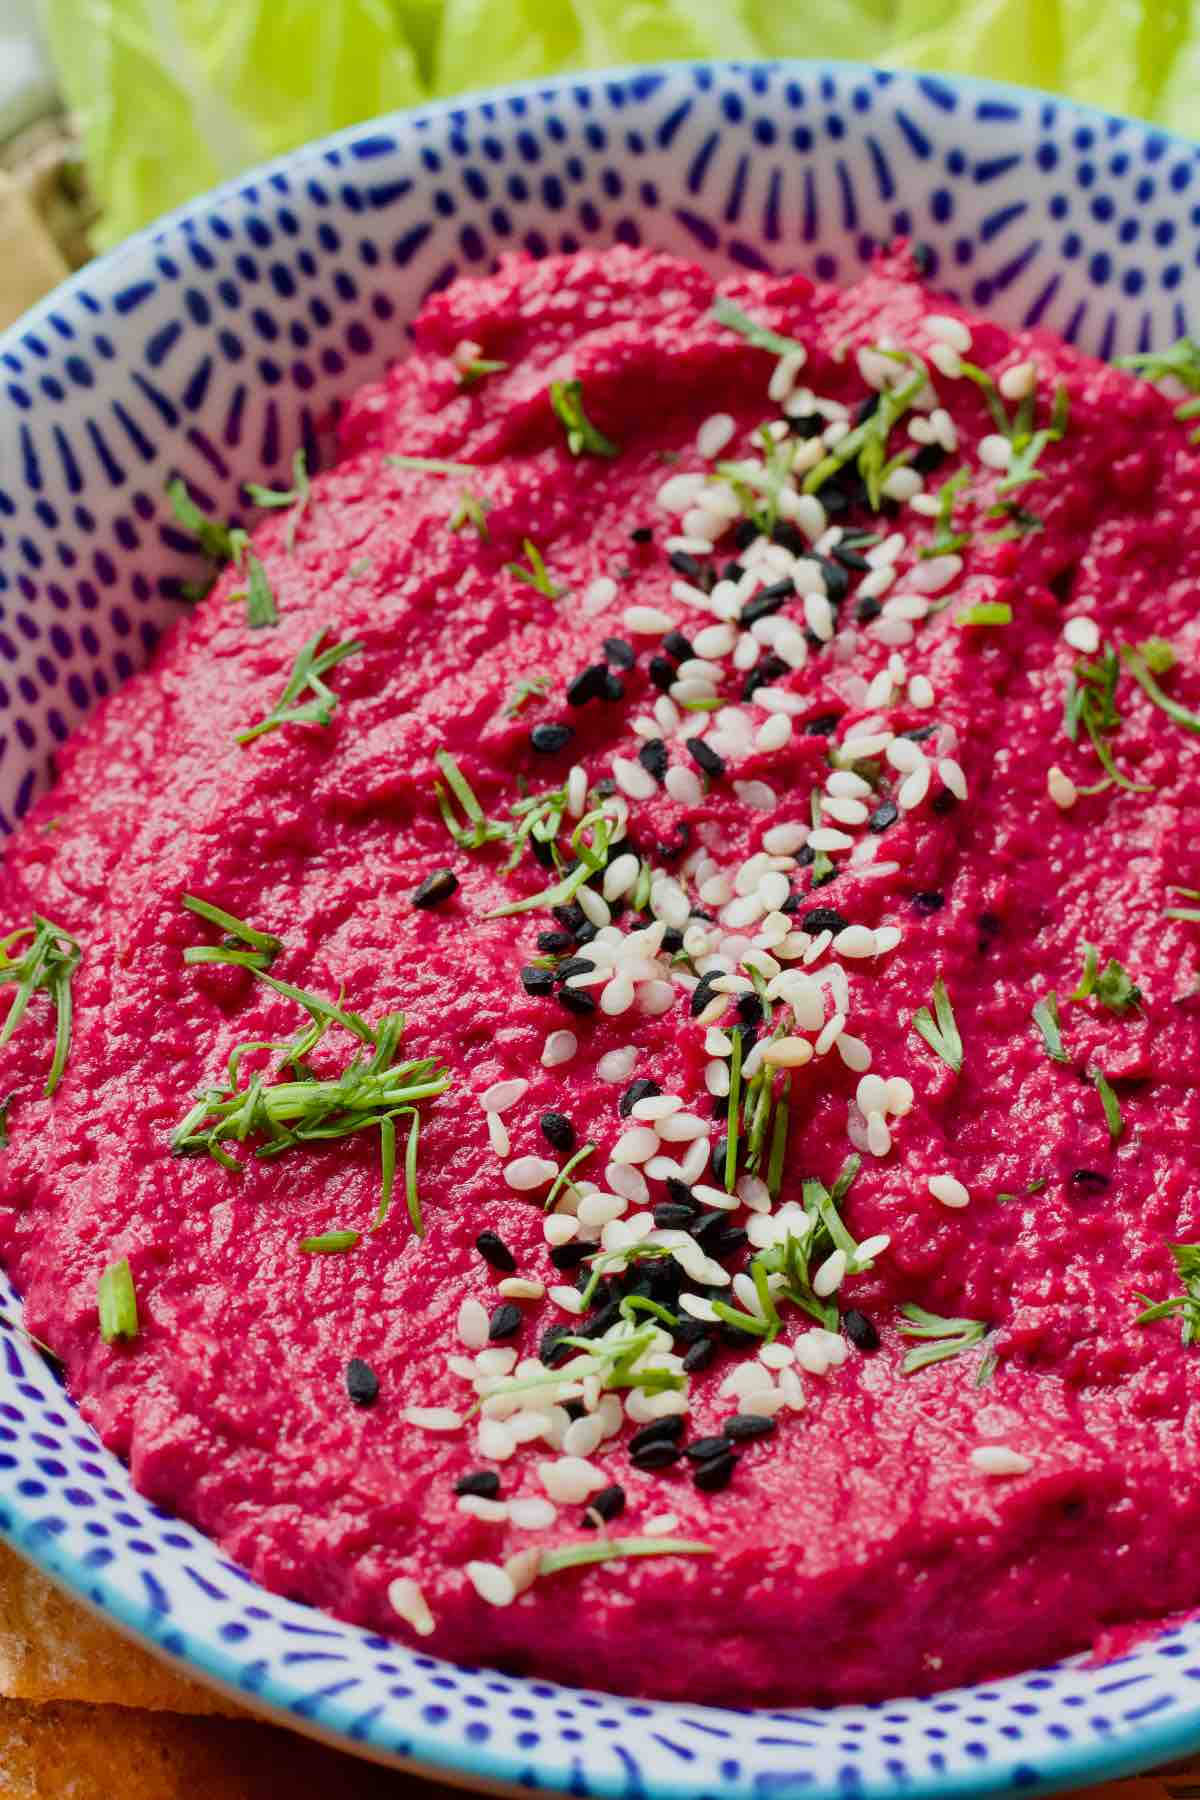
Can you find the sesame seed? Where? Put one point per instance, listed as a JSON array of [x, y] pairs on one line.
[[529, 1172], [598, 594], [1018, 381], [498, 1136], [1061, 788], [435, 888], [473, 1324], [787, 1053], [477, 1506], [559, 1047], [548, 738], [855, 941], [995, 452], [948, 330], [432, 1418], [569, 1298], [491, 1583], [683, 785], [636, 1145], [495, 1252], [518, 1287], [633, 779], [879, 1138], [913, 788], [646, 621], [503, 1094], [1000, 1459], [506, 1321], [949, 1190], [1082, 634], [408, 1603], [617, 1065], [570, 1479]]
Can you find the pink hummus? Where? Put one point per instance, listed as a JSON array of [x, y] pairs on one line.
[[860, 1548]]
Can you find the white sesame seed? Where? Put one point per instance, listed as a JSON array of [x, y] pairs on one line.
[[1019, 381], [829, 1277], [920, 691], [526, 1173], [879, 1138], [785, 840], [636, 1145], [946, 360], [847, 785], [532, 1513], [622, 873], [886, 938], [953, 777], [678, 492], [1082, 633], [596, 1210], [559, 1228], [472, 1325], [950, 331], [714, 641], [683, 785], [617, 1065], [478, 1506], [697, 1307], [853, 1052], [656, 1106], [646, 621], [569, 1298], [949, 1190], [845, 812], [714, 434], [570, 1479], [624, 1178], [559, 1047], [491, 1583], [503, 1094], [811, 1353], [877, 583], [1061, 788], [715, 1197], [855, 941], [432, 1418], [826, 838], [598, 594], [497, 1359], [787, 1053], [1000, 1459], [408, 1602], [905, 606], [913, 788], [655, 998], [818, 616], [774, 734], [865, 746], [934, 575], [995, 452], [902, 484], [495, 1441], [498, 1134], [519, 1287], [583, 1436]]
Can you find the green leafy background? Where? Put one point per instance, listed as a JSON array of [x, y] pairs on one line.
[[176, 95]]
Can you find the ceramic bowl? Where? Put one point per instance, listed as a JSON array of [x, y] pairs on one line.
[[215, 343]]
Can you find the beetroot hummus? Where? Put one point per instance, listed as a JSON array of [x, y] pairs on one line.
[[747, 730]]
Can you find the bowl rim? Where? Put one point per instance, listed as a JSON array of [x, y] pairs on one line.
[[1134, 1745]]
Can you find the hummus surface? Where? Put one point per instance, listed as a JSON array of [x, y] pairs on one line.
[[876, 1531]]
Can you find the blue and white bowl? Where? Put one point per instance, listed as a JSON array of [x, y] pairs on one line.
[[214, 344]]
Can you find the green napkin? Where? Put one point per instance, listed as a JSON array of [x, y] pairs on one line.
[[176, 95]]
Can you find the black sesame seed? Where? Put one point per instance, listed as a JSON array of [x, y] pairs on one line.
[[806, 425], [542, 851], [605, 788], [362, 1383], [670, 1427], [668, 1217], [744, 533], [642, 534], [733, 571], [641, 1089], [928, 458], [710, 1477], [602, 1321], [719, 1108], [612, 688], [435, 888], [919, 733], [570, 917], [495, 1252], [837, 581], [505, 1321], [554, 943], [821, 724], [944, 801], [678, 1191], [576, 1000], [484, 1483], [790, 537], [1089, 1178], [678, 646], [574, 965], [720, 1152], [860, 1330], [928, 902], [748, 1425], [546, 739], [537, 981], [607, 1505], [850, 558], [685, 564], [792, 904], [806, 855], [768, 600], [654, 759], [586, 933], [702, 993], [700, 912], [699, 1355], [705, 757], [672, 940], [703, 1449], [727, 1241], [657, 1455], [551, 1349], [558, 1132], [569, 1256], [662, 672], [620, 653], [587, 685], [833, 499], [885, 814], [574, 1409], [750, 1009], [867, 409], [707, 1223], [824, 918], [868, 609]]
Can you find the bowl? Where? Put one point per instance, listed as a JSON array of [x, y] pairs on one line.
[[215, 343]]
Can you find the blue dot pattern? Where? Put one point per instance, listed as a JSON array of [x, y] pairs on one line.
[[214, 344]]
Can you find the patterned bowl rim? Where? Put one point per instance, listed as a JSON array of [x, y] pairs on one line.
[[1137, 1744]]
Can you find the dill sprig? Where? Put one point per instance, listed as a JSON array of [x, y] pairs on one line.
[[728, 313], [370, 1092], [1111, 985], [866, 444], [261, 946], [220, 543], [1045, 1017], [49, 962], [116, 1302], [1091, 703], [598, 1550], [944, 1337], [297, 496], [1181, 362], [940, 1032], [536, 575], [1187, 1262], [566, 398], [310, 665]]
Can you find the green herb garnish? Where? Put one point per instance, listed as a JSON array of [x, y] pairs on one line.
[[945, 1337], [731, 1132], [526, 689], [598, 1550], [431, 465], [566, 397], [985, 612], [1181, 362], [942, 1035], [262, 946], [1191, 913], [728, 313], [1108, 1100], [563, 1179], [310, 665], [298, 496], [1045, 1017], [475, 370], [1139, 667], [220, 543], [822, 862], [370, 1092], [760, 486], [536, 575], [330, 1243], [945, 538], [1187, 1261], [1111, 985], [116, 1303], [260, 601], [1091, 702], [470, 510], [48, 962], [866, 444]]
